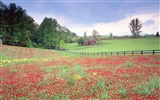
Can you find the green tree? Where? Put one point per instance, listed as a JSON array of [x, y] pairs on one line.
[[64, 33], [62, 45], [135, 25], [73, 37], [48, 36], [16, 26], [81, 41], [51, 33], [34, 35]]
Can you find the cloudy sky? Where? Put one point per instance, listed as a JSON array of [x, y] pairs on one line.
[[105, 16]]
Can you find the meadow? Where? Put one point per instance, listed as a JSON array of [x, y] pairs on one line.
[[118, 45], [39, 74]]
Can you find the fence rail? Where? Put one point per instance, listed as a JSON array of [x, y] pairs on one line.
[[140, 52]]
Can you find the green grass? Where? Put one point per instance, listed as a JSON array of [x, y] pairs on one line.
[[118, 45]]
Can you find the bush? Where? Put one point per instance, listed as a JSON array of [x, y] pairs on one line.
[[81, 41], [129, 64]]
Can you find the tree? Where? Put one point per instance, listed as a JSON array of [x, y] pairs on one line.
[[85, 35], [81, 41], [135, 25], [34, 35], [62, 45], [111, 36], [96, 35], [48, 36], [74, 37], [16, 25], [64, 33], [157, 34]]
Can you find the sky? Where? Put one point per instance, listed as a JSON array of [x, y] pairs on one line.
[[105, 16]]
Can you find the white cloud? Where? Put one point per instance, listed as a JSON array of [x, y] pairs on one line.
[[120, 27], [117, 28], [39, 18]]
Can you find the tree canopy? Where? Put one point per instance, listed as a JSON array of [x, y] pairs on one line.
[[19, 29], [16, 25]]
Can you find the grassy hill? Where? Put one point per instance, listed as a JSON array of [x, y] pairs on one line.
[[118, 45], [40, 74]]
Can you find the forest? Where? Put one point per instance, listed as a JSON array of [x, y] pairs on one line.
[[20, 29]]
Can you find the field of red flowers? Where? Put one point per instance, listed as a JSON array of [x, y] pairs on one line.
[[38, 74]]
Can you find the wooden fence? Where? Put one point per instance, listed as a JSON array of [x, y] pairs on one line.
[[140, 52]]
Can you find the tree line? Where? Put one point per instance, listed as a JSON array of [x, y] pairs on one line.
[[19, 29]]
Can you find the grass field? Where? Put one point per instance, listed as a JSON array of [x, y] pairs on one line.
[[118, 45], [38, 74]]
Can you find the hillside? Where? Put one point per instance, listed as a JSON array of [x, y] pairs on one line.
[[118, 45], [29, 73]]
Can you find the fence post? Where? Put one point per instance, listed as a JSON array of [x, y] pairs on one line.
[[141, 52], [132, 52], [106, 53], [117, 53], [124, 52], [153, 52], [111, 53]]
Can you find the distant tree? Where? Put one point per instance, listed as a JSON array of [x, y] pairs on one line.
[[72, 37], [111, 36], [75, 38], [157, 34], [81, 41], [135, 25], [96, 35], [64, 33], [85, 35]]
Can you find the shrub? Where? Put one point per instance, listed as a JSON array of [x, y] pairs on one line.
[[90, 42], [129, 64], [81, 41]]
